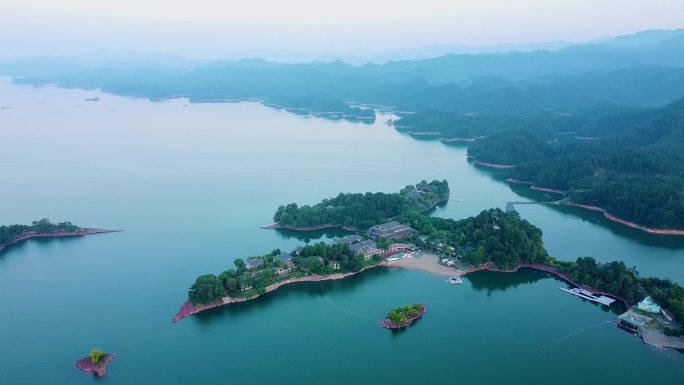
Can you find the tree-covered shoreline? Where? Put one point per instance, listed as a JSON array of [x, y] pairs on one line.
[[9, 234], [634, 172], [364, 210]]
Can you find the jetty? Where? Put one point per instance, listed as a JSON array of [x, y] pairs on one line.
[[603, 300]]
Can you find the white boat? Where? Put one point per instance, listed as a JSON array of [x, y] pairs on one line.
[[455, 280]]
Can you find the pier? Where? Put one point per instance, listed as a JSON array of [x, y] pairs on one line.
[[603, 300]]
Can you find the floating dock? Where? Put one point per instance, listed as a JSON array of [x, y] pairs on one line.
[[603, 300]]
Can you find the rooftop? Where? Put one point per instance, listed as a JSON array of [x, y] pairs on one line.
[[283, 257], [362, 245], [253, 262], [387, 226]]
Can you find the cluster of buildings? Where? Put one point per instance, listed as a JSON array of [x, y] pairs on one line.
[[644, 312], [359, 245], [389, 231]]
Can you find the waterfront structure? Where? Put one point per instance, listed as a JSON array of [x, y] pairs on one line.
[[367, 249], [349, 240], [334, 264], [286, 259], [403, 247], [253, 263], [632, 321], [390, 230]]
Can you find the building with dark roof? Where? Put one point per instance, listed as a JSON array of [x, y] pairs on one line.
[[366, 248], [286, 259], [253, 263], [390, 230], [349, 239]]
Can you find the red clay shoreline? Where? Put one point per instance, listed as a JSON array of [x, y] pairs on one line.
[[187, 309], [625, 222], [491, 165], [537, 188], [100, 368], [605, 213], [56, 234]]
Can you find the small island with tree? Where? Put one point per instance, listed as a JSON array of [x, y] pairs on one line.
[[97, 362], [403, 316], [43, 229]]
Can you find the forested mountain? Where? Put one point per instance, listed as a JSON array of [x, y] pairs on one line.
[[552, 82], [589, 118], [634, 172]]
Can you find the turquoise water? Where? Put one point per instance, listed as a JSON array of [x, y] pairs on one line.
[[191, 183]]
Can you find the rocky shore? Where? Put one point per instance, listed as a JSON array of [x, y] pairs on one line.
[[605, 213], [389, 324], [188, 309], [492, 165], [633, 225], [100, 369], [55, 234]]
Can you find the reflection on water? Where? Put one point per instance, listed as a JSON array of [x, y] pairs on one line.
[[491, 282], [295, 290], [308, 236]]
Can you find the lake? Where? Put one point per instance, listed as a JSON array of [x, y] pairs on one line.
[[191, 183]]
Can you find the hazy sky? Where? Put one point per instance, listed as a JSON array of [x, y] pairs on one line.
[[215, 28]]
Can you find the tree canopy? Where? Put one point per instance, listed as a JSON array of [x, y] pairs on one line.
[[364, 210]]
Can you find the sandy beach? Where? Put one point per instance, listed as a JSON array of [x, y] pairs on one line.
[[425, 261]]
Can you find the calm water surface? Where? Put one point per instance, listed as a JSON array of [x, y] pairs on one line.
[[191, 183]]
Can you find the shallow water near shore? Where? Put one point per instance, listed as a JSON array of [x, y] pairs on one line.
[[191, 183]]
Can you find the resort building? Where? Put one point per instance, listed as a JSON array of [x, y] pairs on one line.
[[349, 239], [632, 321], [366, 248], [334, 264], [390, 230], [403, 247], [286, 259], [253, 263]]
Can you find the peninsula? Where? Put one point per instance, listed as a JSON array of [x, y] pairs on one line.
[[361, 211], [493, 240], [43, 228]]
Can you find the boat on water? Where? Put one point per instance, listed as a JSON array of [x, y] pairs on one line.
[[455, 280], [458, 199], [589, 296]]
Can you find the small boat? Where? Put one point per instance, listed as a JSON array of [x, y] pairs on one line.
[[455, 280], [459, 199]]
